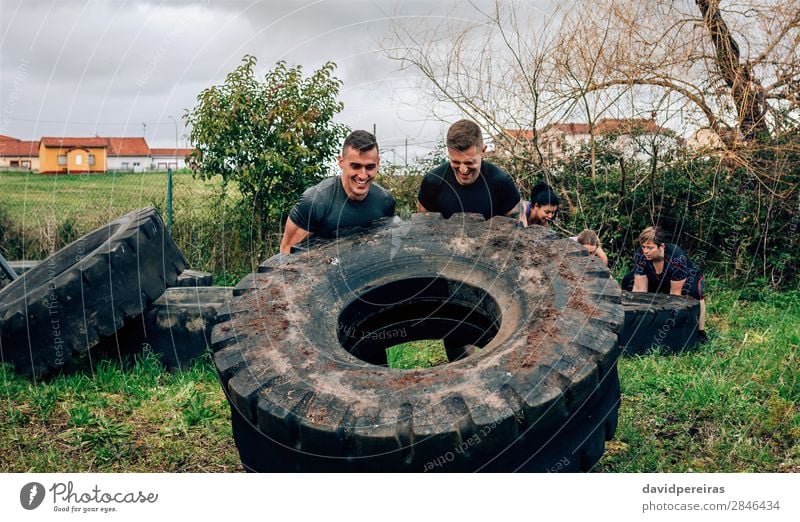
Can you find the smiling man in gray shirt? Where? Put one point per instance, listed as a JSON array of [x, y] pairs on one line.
[[350, 199]]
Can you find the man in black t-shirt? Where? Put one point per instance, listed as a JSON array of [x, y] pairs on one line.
[[661, 267], [466, 183], [350, 199]]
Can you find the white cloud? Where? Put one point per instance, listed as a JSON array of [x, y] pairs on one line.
[[86, 67]]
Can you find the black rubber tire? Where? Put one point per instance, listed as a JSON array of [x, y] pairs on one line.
[[189, 278], [541, 395], [20, 267], [66, 304], [653, 320], [178, 324]]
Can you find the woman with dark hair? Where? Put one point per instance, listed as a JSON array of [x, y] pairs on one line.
[[542, 208]]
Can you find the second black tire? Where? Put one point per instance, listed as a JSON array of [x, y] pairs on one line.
[[63, 306], [664, 322]]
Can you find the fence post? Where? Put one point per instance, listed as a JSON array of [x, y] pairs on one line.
[[169, 198]]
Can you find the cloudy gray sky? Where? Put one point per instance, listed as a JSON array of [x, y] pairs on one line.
[[126, 68]]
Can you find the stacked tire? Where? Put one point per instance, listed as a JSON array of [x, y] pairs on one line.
[[64, 306], [302, 358]]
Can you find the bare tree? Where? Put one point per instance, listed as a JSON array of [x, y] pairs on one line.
[[729, 66]]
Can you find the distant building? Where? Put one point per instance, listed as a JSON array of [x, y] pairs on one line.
[[18, 155], [705, 139], [163, 159], [128, 154], [72, 155], [559, 140]]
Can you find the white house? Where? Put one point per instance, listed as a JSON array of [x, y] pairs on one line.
[[633, 137], [174, 159], [128, 154], [17, 154]]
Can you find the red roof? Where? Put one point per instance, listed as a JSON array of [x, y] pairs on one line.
[[609, 126], [171, 152], [519, 134], [127, 147], [569, 128], [19, 148], [75, 142], [4, 138]]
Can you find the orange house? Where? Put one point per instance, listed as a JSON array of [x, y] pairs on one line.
[[72, 155]]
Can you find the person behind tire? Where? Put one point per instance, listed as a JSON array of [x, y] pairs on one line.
[[347, 200], [664, 268], [591, 243], [467, 183], [542, 208]]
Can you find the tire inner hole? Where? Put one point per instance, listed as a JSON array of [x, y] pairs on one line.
[[420, 308]]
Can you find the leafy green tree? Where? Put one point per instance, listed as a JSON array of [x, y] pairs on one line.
[[272, 138]]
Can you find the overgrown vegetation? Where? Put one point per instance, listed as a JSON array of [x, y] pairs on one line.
[[738, 234]]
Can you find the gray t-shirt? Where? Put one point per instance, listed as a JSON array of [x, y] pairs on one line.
[[325, 207]]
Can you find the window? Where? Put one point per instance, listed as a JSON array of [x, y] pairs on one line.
[[62, 159], [91, 160], [126, 165], [78, 159]]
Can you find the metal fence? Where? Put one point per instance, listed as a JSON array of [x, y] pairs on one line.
[[40, 213]]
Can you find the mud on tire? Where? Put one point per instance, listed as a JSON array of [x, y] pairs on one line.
[[64, 305], [301, 357]]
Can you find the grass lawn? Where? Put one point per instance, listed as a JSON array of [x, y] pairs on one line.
[[91, 199], [730, 406]]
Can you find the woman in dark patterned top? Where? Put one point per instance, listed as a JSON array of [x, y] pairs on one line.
[[664, 267]]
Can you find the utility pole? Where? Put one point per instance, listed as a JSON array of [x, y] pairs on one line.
[[169, 176], [405, 157]]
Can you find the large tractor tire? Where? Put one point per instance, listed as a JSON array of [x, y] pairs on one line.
[[667, 323], [303, 357], [63, 306]]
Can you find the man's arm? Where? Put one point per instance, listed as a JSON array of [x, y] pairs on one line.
[[515, 210], [640, 283], [292, 234], [601, 255], [420, 208], [676, 287]]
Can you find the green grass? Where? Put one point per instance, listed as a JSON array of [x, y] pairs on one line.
[[140, 418], [33, 199], [40, 214], [416, 354], [729, 406]]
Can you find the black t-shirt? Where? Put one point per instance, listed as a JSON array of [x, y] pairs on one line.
[[325, 207], [677, 266], [492, 194]]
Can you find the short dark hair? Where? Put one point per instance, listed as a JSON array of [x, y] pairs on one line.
[[543, 194], [464, 134], [654, 234], [360, 140]]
